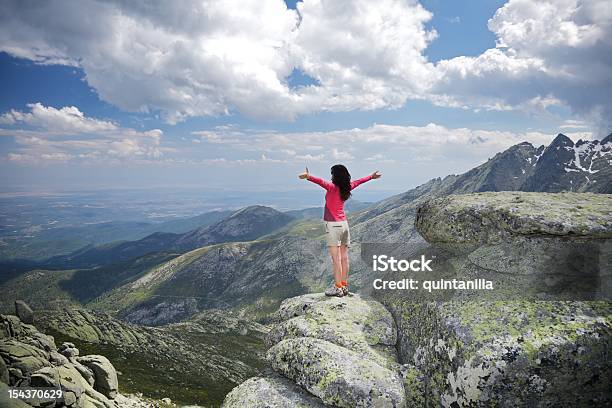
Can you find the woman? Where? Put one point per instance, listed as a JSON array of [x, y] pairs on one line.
[[336, 225]]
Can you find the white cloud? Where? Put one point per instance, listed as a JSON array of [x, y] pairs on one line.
[[574, 124], [407, 155], [213, 57], [341, 155], [66, 120], [47, 134], [431, 143], [553, 52], [182, 58], [365, 54], [216, 57]]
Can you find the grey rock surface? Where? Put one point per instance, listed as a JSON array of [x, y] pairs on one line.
[[4, 373], [29, 358], [340, 350], [104, 374], [68, 350], [493, 217], [10, 403], [361, 325], [338, 376], [510, 347], [270, 392]]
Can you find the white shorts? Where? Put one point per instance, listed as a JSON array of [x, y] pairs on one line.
[[337, 233]]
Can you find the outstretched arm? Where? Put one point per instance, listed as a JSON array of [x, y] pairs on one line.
[[323, 183], [373, 176]]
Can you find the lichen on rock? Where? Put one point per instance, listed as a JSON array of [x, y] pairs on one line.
[[492, 217], [341, 351], [270, 392], [340, 377], [519, 345], [29, 358]]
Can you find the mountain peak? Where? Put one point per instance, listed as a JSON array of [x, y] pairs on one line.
[[246, 224], [256, 208], [607, 139], [561, 140]]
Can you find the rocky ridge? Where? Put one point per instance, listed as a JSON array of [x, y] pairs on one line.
[[327, 352], [198, 360], [502, 349], [563, 165], [243, 225], [29, 358], [250, 278], [584, 166], [492, 217]]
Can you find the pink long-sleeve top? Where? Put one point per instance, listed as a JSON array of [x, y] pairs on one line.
[[334, 206]]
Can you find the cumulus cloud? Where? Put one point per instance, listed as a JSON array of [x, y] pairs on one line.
[[213, 57], [49, 134], [182, 58], [216, 57], [365, 54], [553, 52], [66, 120]]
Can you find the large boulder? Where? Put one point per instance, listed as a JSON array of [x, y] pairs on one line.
[[361, 325], [29, 358], [532, 341], [494, 217], [11, 326], [105, 374], [340, 377], [364, 317], [340, 350], [22, 359], [69, 350], [77, 391], [270, 392]]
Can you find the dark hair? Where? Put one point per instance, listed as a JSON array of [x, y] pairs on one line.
[[342, 179]]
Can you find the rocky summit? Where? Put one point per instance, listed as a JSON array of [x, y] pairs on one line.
[[515, 346], [29, 358], [535, 340], [327, 352]]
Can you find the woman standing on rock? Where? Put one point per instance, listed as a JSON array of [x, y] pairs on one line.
[[336, 225]]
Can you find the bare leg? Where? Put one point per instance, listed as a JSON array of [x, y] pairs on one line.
[[344, 259], [334, 252]]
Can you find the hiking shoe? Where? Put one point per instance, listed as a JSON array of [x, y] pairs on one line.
[[345, 291], [334, 291]]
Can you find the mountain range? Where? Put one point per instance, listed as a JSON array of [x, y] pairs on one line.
[[251, 259], [560, 166], [247, 262], [243, 225]]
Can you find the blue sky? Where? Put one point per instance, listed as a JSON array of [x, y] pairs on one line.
[[228, 102]]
